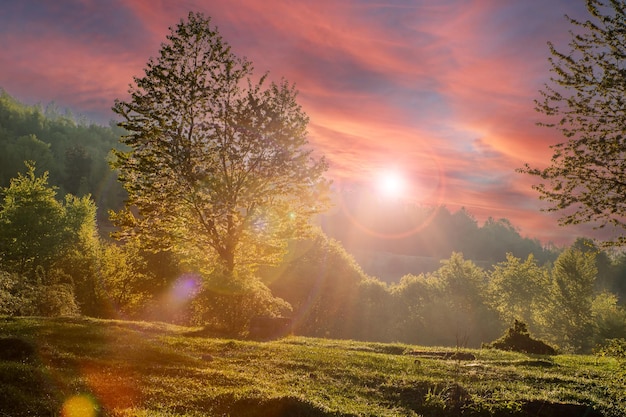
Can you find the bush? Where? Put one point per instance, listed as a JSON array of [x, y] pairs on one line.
[[518, 339], [9, 301], [19, 297], [615, 348], [56, 300]]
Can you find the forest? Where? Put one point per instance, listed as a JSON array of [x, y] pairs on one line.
[[58, 258]]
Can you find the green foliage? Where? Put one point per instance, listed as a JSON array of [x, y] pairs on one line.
[[25, 148], [56, 300], [228, 305], [568, 316], [615, 348], [584, 100], [609, 318], [321, 281], [517, 290], [415, 304], [19, 297], [464, 294], [45, 246], [33, 229], [14, 295], [124, 279], [77, 169]]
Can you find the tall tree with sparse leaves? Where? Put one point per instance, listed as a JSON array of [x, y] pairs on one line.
[[586, 99], [218, 161]]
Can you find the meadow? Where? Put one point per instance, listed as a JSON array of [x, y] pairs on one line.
[[87, 367]]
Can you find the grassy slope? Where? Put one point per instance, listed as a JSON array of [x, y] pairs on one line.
[[149, 369]]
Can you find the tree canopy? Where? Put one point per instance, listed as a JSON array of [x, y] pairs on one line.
[[218, 161], [586, 99]]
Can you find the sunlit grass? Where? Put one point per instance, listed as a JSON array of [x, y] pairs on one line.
[[153, 369]]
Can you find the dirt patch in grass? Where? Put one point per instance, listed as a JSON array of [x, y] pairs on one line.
[[271, 407], [16, 350], [548, 409], [459, 356], [429, 399]]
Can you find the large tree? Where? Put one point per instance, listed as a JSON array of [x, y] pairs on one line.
[[586, 99], [218, 162]]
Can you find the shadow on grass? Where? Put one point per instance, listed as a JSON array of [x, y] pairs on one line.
[[263, 407]]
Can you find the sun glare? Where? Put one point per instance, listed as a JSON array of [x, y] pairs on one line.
[[391, 184]]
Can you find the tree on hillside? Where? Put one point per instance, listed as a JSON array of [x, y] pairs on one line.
[[466, 316], [517, 288], [218, 161], [604, 280], [586, 98], [567, 317], [77, 168], [322, 282], [416, 306]]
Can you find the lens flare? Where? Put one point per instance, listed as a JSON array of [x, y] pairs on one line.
[[80, 406], [185, 288]]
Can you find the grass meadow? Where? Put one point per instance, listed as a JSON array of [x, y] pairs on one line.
[[86, 367]]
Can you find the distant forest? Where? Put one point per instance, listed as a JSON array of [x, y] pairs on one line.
[[419, 237], [73, 151]]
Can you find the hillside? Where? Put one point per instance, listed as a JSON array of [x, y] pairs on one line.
[[87, 367]]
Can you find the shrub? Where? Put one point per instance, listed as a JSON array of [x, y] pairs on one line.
[[517, 338], [56, 300], [615, 348], [19, 297]]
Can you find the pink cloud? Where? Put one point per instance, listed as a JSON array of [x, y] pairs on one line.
[[442, 90]]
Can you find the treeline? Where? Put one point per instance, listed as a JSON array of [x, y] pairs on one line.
[[459, 304], [391, 240]]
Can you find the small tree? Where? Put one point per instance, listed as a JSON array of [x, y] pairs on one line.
[[586, 98], [463, 289], [516, 289], [568, 317], [609, 318], [33, 231]]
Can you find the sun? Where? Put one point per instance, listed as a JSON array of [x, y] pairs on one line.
[[391, 184]]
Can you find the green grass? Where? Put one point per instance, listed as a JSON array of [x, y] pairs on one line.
[[115, 368]]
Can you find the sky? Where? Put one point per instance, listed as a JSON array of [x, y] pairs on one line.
[[439, 92]]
